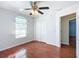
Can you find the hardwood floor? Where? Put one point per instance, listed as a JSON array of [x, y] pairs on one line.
[[68, 51], [36, 49], [72, 41]]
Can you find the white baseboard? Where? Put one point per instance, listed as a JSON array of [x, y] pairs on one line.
[[49, 43], [15, 45]]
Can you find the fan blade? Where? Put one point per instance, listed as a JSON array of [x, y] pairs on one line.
[[31, 3], [43, 7], [27, 8], [40, 12], [35, 3]]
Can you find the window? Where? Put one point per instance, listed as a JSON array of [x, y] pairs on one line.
[[21, 27]]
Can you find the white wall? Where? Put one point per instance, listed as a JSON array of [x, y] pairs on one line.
[[46, 25], [77, 33], [7, 29]]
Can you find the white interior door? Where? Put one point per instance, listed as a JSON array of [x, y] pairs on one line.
[[65, 31]]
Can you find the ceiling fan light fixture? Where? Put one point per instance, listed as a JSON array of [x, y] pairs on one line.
[[35, 9], [34, 12]]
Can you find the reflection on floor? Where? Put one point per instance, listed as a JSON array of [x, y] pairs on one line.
[[68, 51], [36, 49]]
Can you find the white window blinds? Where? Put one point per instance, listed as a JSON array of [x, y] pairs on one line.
[[21, 27]]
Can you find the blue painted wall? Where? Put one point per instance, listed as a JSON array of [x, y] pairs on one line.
[[72, 28]]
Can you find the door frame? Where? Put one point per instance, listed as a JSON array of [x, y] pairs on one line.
[[68, 19]]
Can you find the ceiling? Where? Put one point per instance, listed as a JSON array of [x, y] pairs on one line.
[[17, 6]]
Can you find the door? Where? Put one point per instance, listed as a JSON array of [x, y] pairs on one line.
[[64, 31]]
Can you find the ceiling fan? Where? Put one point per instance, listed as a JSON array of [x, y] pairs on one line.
[[35, 9]]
